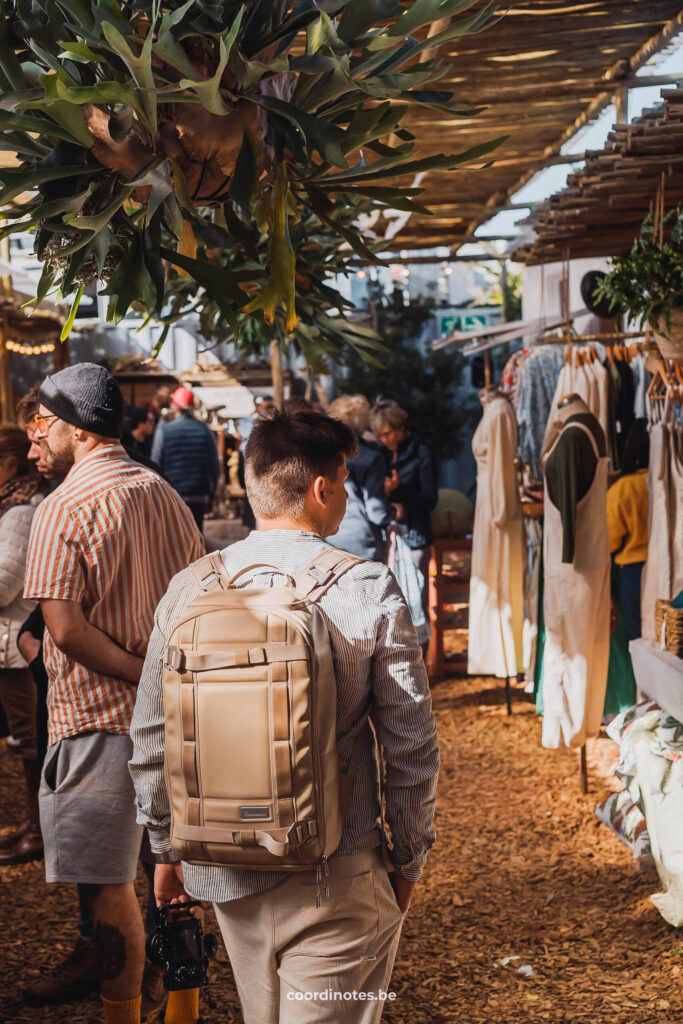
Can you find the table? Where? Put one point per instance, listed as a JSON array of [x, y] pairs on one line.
[[659, 675]]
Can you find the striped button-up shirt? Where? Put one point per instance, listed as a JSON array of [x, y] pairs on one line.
[[379, 670], [111, 536]]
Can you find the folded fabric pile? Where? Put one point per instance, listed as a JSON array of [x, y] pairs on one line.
[[648, 813]]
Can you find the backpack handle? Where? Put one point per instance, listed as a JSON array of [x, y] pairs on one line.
[[260, 565]]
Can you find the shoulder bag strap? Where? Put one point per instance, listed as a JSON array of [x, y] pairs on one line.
[[209, 572], [324, 571]]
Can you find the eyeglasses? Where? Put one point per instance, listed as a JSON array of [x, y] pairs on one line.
[[42, 424]]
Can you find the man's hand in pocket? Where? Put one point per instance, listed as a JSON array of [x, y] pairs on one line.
[[403, 890]]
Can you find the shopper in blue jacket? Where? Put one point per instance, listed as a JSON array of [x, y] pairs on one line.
[[187, 455]]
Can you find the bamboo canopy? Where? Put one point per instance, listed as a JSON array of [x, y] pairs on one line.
[[600, 211], [544, 70]]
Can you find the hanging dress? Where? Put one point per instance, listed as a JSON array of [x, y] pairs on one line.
[[676, 478], [657, 579], [496, 613], [576, 612]]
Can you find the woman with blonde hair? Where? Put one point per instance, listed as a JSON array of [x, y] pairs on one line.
[[368, 512], [20, 494]]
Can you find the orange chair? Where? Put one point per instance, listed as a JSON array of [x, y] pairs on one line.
[[449, 587]]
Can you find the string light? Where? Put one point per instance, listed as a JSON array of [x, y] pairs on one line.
[[448, 270], [361, 274], [29, 350]]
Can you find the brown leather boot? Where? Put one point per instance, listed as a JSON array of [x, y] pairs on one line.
[[8, 839], [73, 979], [29, 847]]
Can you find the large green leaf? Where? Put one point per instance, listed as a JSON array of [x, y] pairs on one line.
[[102, 94], [221, 284], [130, 282], [140, 68], [167, 48], [394, 198], [360, 15], [63, 113], [372, 172], [209, 91], [320, 136], [18, 180], [326, 211], [424, 12]]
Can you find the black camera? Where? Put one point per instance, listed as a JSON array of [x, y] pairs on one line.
[[179, 945]]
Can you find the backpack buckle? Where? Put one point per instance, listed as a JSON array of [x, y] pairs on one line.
[[301, 832], [174, 659], [321, 576]]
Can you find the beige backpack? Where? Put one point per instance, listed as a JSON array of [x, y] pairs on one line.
[[251, 760]]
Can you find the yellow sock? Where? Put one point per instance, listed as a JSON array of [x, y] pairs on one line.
[[182, 1007], [126, 1012]]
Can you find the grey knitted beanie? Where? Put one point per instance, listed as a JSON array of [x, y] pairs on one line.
[[87, 396]]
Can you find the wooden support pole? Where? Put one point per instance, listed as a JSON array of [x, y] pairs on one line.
[[488, 368], [583, 770], [6, 403], [508, 694], [276, 373], [621, 106], [61, 359]]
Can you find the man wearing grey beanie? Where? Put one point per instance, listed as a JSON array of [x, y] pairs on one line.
[[104, 546]]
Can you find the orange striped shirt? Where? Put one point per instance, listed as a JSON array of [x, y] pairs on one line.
[[111, 537]]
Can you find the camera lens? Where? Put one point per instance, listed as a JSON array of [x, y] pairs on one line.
[[155, 948]]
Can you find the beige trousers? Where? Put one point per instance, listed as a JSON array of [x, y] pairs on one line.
[[295, 964]]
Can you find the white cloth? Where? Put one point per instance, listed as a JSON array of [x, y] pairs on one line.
[[591, 383], [411, 581], [576, 604], [676, 479], [496, 616], [657, 579], [15, 530]]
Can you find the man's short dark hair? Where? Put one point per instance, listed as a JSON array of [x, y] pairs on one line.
[[286, 453]]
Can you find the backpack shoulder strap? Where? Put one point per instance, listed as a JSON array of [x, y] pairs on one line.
[[209, 572], [324, 571]]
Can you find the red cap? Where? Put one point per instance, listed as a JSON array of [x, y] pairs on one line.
[[183, 398]]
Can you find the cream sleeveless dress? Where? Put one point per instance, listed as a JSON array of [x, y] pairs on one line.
[[576, 604], [496, 615]]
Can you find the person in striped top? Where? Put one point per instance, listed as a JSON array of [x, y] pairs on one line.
[[102, 551]]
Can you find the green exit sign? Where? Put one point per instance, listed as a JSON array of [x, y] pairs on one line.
[[463, 322]]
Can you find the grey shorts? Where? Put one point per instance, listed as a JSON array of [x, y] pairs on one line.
[[87, 811]]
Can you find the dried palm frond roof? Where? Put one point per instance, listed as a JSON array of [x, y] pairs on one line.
[[546, 69], [600, 211]]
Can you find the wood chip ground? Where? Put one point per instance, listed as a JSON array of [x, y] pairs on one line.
[[521, 869]]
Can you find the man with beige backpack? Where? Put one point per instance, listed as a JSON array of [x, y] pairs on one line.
[[275, 668]]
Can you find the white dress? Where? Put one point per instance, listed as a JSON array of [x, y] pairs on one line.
[[657, 581], [496, 614], [576, 605]]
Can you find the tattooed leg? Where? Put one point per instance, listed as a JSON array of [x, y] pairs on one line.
[[121, 940]]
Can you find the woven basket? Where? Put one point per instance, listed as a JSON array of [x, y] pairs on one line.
[[660, 614], [671, 343], [674, 631]]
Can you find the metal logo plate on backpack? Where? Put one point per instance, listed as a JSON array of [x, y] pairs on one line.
[[254, 813]]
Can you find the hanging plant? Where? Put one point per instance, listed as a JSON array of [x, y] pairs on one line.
[[647, 283], [150, 133]]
